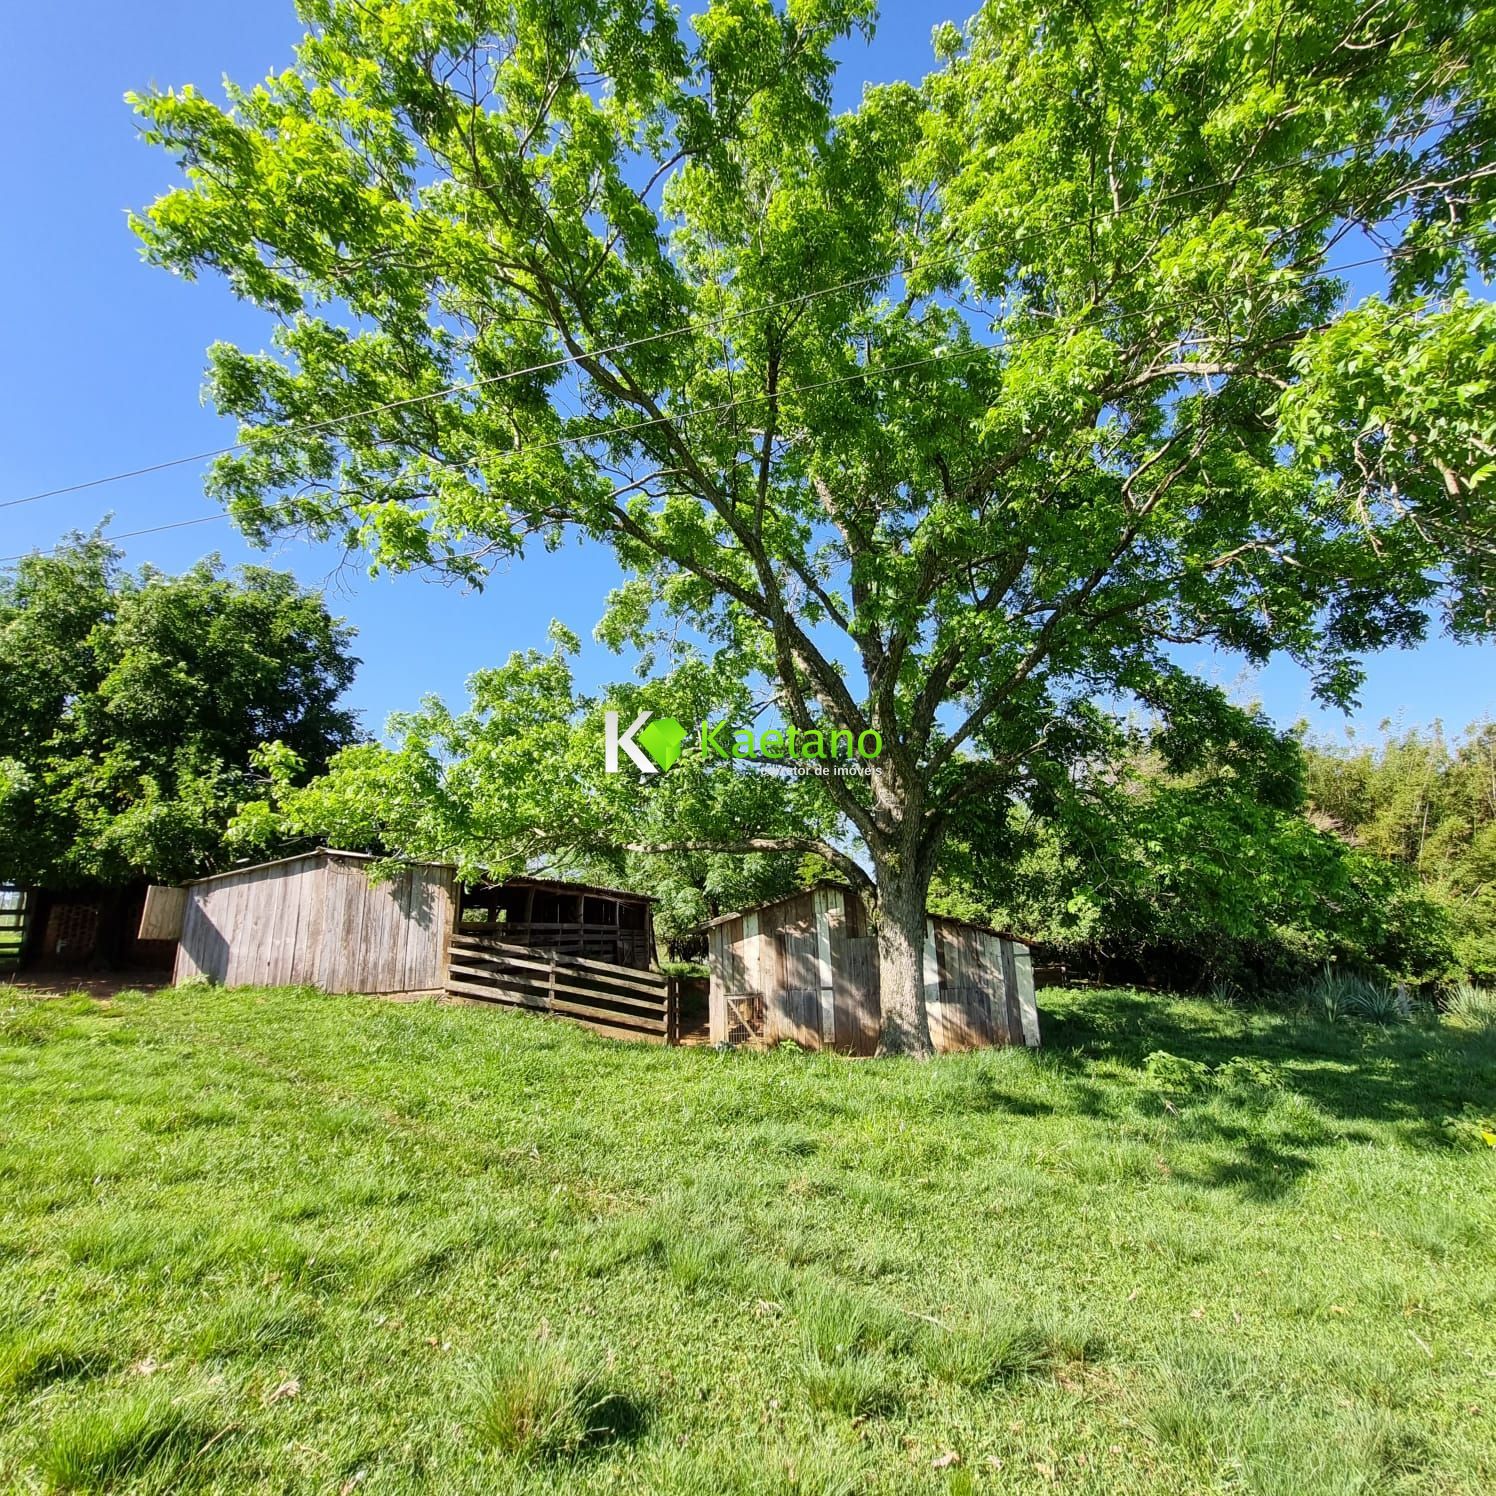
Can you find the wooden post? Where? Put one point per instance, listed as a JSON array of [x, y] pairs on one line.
[[934, 1014], [822, 902]]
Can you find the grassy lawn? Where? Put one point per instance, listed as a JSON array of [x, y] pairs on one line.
[[270, 1240]]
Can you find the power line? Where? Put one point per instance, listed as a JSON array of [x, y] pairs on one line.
[[736, 402], [726, 319]]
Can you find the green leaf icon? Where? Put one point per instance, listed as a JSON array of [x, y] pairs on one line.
[[661, 739]]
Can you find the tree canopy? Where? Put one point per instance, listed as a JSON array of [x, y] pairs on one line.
[[951, 416], [131, 706], [1427, 805], [1225, 875], [515, 783]]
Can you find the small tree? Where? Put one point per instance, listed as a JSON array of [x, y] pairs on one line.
[[131, 706], [944, 415], [515, 783]]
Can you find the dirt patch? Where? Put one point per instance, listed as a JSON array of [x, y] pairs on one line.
[[73, 984]]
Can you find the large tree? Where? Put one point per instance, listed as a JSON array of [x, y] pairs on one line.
[[945, 415], [131, 706]]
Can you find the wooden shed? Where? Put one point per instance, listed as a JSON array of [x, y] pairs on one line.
[[806, 968], [318, 920], [575, 919]]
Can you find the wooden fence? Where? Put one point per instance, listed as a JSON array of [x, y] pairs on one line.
[[619, 1001]]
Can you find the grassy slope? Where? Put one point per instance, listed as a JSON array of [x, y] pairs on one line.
[[280, 1241]]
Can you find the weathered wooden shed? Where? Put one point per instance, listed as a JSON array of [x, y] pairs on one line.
[[575, 919], [806, 968], [318, 920]]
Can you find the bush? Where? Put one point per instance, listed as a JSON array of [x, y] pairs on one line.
[[1174, 1073], [1471, 1005], [1335, 995], [1472, 1128]]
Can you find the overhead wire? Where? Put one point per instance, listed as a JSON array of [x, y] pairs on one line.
[[700, 325], [720, 407]]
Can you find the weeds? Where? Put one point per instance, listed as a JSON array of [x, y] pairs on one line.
[[1472, 1006], [146, 1441], [536, 1403]]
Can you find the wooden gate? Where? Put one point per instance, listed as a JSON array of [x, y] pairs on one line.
[[14, 906], [619, 1001]]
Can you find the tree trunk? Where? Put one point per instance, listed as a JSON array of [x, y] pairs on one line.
[[901, 966]]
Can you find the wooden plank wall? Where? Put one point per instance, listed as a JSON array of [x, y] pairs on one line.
[[619, 1001], [792, 996], [318, 921], [384, 937], [812, 967], [249, 927], [161, 918]]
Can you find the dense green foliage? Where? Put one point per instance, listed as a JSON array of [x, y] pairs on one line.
[[1378, 857], [515, 782], [1224, 875], [131, 707], [263, 1241], [1428, 806], [942, 417]]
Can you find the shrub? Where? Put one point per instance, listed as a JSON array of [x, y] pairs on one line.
[[1175, 1073], [1472, 1128], [1246, 1073], [1335, 995], [1379, 1003], [1471, 1005]]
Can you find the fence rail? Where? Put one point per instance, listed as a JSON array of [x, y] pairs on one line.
[[619, 1001]]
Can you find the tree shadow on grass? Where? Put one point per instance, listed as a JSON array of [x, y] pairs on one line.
[[1406, 1073], [1357, 1077]]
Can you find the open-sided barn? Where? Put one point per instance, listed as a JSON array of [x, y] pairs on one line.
[[806, 968], [578, 919], [320, 920]]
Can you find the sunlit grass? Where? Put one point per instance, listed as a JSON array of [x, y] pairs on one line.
[[271, 1241]]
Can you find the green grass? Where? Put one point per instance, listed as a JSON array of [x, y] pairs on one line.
[[277, 1241]]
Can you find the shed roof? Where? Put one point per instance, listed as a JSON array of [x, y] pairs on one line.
[[309, 855], [521, 881], [598, 890], [722, 919]]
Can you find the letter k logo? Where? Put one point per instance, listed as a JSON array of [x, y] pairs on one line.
[[616, 740], [660, 739]]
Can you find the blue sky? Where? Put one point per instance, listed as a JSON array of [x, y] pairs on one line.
[[106, 354]]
